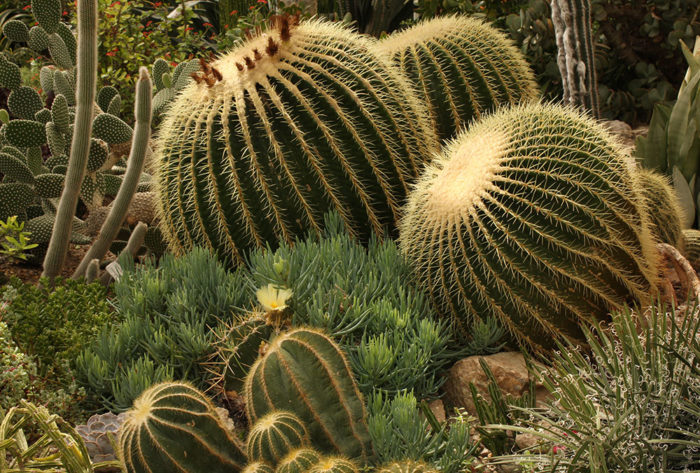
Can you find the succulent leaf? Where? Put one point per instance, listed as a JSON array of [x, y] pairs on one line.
[[25, 133], [16, 31]]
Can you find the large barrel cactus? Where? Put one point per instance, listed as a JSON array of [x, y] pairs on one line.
[[532, 216], [295, 122], [663, 206], [306, 373], [462, 67], [174, 427]]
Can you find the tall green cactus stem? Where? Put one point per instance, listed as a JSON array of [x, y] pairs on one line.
[[80, 147], [275, 435], [293, 123], [92, 271], [575, 54], [137, 159], [532, 216], [174, 427], [663, 207], [463, 68], [306, 373], [298, 461]]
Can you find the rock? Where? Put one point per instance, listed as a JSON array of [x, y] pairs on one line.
[[508, 368], [527, 441], [438, 410]]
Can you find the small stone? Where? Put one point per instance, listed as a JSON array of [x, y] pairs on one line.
[[438, 410]]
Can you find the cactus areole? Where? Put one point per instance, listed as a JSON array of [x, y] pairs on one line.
[[532, 216], [297, 121]]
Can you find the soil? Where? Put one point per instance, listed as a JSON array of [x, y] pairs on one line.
[[30, 273]]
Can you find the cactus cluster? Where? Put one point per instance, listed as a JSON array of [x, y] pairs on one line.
[[462, 68], [532, 216], [302, 119]]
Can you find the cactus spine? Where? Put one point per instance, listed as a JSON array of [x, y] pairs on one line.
[[691, 247], [258, 467], [305, 372], [462, 67], [575, 56], [532, 216], [137, 158], [334, 465], [298, 461], [297, 121], [663, 207], [80, 147], [408, 466], [174, 427], [274, 435]]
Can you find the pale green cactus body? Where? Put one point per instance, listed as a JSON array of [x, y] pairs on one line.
[[174, 427], [275, 435], [532, 216], [298, 461], [304, 372], [463, 68], [304, 119]]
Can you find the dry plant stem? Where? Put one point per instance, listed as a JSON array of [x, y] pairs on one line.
[[80, 147], [120, 206], [132, 247], [683, 267]]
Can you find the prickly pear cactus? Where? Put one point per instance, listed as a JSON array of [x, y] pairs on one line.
[[295, 122], [306, 373], [463, 68], [274, 435], [663, 206], [298, 461], [174, 427], [534, 217]]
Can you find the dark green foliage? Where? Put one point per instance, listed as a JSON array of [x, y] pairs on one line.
[[399, 432], [362, 296], [54, 324], [167, 311]]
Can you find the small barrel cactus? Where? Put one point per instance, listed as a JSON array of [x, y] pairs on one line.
[[532, 216], [258, 467], [691, 247], [334, 465], [275, 435], [408, 466], [298, 121], [298, 461], [96, 431], [663, 206], [462, 67], [174, 427], [306, 373]]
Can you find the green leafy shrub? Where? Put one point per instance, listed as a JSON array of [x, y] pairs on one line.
[[14, 241], [54, 324], [20, 379], [399, 433], [165, 334], [632, 405]]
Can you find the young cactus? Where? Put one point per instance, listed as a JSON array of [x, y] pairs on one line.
[[462, 67], [532, 216], [298, 461], [295, 122], [258, 467], [663, 207], [306, 373], [275, 435], [334, 465], [174, 427]]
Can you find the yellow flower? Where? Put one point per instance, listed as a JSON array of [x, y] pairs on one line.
[[273, 298]]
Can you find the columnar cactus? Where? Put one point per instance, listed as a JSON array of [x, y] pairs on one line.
[[306, 373], [295, 122], [275, 435], [663, 206], [174, 427], [298, 461], [462, 67], [532, 216]]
